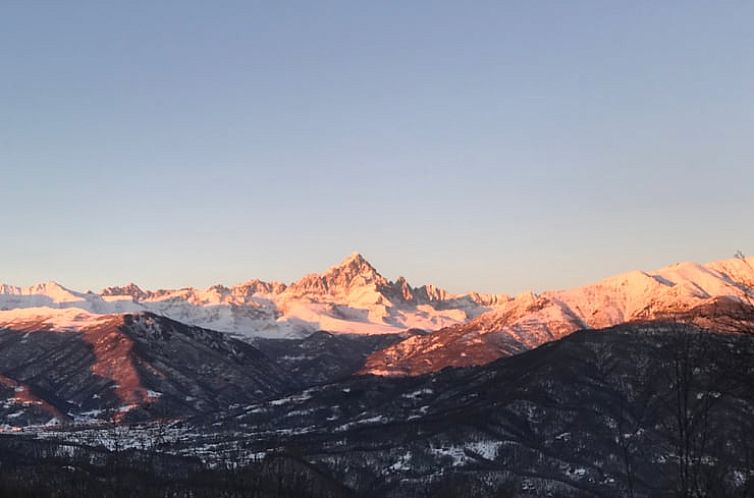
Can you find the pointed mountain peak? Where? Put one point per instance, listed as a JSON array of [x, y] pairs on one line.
[[353, 271], [130, 289], [354, 267], [354, 261]]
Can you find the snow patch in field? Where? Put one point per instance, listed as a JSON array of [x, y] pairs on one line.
[[457, 454], [291, 399], [403, 463], [485, 449], [418, 394]]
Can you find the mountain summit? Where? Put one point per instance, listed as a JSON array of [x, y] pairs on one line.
[[530, 320], [354, 272], [130, 289], [353, 297], [349, 297], [354, 269]]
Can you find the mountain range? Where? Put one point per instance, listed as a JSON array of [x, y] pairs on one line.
[[341, 382], [529, 320], [351, 297]]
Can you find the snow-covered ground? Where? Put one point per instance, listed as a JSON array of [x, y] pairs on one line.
[[351, 297], [530, 320]]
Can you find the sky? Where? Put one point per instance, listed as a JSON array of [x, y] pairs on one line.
[[497, 146]]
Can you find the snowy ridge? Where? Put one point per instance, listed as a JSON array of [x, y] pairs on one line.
[[353, 297], [350, 297], [529, 320]]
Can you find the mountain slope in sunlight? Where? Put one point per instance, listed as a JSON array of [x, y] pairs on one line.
[[529, 320], [351, 297]]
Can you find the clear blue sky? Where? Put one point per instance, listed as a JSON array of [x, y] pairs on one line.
[[498, 146]]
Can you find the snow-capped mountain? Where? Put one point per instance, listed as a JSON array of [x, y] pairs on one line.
[[351, 297], [529, 320]]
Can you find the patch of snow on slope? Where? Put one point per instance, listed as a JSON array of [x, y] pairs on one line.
[[66, 319]]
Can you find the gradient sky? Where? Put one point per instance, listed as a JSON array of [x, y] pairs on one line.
[[497, 146]]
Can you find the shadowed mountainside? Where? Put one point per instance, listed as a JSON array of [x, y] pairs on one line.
[[614, 412], [128, 367]]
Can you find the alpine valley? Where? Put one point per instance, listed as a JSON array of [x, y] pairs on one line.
[[348, 384]]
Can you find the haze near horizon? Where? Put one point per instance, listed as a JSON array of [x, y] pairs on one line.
[[496, 148]]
